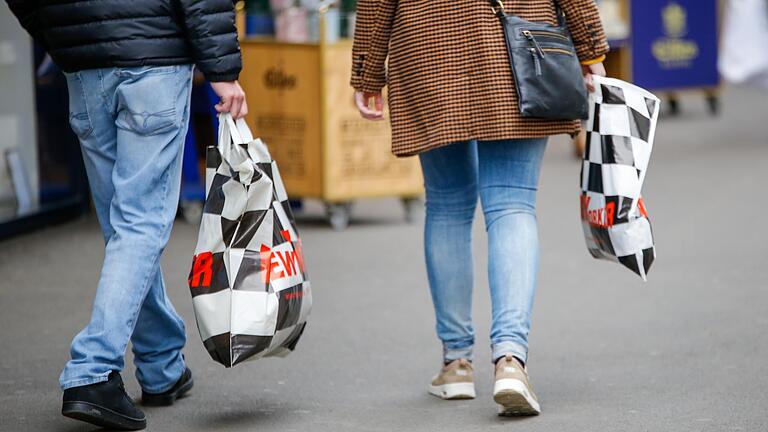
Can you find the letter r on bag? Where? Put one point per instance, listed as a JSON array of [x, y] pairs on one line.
[[202, 270]]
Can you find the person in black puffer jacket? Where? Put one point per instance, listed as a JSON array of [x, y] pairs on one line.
[[128, 65], [96, 34]]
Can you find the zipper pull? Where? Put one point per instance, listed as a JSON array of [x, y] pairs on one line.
[[528, 35], [536, 62]]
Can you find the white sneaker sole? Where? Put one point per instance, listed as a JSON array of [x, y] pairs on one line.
[[453, 391], [514, 398]]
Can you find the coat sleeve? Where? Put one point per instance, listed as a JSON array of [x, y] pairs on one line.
[[26, 13], [586, 28], [370, 48], [211, 34]]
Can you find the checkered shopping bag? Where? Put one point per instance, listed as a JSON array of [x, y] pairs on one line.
[[249, 285], [620, 131]]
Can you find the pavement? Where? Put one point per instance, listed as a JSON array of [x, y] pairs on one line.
[[685, 351]]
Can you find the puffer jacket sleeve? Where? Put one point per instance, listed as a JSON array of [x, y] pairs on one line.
[[370, 48], [210, 26], [26, 13], [586, 28]]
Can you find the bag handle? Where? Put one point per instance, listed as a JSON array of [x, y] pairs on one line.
[[233, 136], [238, 129], [497, 6]]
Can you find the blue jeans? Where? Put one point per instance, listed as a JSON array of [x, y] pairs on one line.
[[505, 175], [131, 123]]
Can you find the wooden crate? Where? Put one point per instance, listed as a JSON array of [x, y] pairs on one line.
[[301, 105]]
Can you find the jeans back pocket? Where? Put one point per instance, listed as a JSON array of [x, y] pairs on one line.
[[146, 100]]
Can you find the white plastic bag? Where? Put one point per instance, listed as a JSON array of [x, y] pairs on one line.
[[249, 285], [620, 132]]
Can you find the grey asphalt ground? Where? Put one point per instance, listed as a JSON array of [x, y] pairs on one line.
[[686, 351]]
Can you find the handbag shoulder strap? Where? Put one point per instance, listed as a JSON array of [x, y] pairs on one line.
[[497, 6]]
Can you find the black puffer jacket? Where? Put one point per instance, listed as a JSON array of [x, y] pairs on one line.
[[87, 34]]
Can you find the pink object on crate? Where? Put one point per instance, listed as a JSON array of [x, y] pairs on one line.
[[291, 25]]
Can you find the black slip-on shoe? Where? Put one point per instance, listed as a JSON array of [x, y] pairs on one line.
[[178, 391], [104, 404]]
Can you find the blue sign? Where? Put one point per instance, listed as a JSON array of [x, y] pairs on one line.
[[674, 43]]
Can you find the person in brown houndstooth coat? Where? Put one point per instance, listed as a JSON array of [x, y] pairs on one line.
[[452, 101]]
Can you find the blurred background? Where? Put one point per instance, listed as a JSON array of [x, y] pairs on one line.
[[684, 352]]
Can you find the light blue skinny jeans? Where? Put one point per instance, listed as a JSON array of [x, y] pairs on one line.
[[505, 175], [131, 123]]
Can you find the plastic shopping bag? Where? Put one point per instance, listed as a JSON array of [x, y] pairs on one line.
[[620, 131], [248, 281]]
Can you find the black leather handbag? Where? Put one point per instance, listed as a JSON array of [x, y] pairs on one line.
[[547, 72]]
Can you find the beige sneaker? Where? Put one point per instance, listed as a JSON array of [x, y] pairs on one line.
[[512, 391], [454, 381]]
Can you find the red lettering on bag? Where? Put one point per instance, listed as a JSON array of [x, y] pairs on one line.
[[601, 217], [610, 209], [268, 264], [202, 270], [293, 295], [290, 261], [585, 199], [280, 264]]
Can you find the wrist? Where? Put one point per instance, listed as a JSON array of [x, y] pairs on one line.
[[593, 61]]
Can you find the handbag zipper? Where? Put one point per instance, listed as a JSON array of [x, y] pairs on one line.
[[536, 61], [548, 34], [558, 50], [528, 35]]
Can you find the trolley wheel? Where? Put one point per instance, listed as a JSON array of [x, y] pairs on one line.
[[192, 211], [338, 214], [713, 103], [413, 208], [674, 106]]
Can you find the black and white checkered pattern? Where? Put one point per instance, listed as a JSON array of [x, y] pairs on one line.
[[620, 132], [249, 286]]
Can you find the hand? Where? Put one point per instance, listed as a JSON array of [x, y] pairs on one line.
[[232, 98], [362, 101], [588, 71]]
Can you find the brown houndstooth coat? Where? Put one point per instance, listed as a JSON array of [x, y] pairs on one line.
[[448, 77]]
